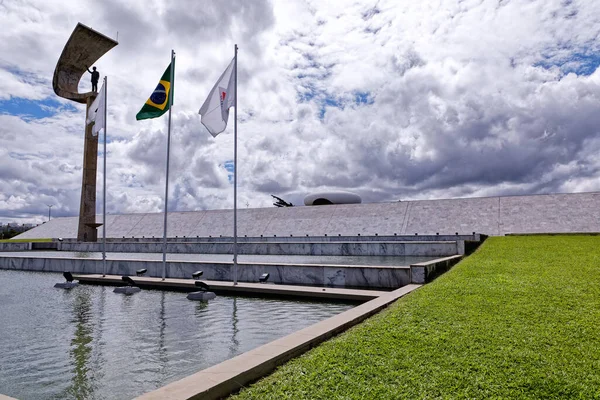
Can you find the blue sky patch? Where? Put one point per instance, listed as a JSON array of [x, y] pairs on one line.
[[326, 100], [581, 63], [307, 95], [312, 92], [33, 109], [363, 98], [329, 101], [229, 167]]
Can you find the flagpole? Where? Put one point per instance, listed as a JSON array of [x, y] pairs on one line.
[[164, 269], [235, 249], [104, 183]]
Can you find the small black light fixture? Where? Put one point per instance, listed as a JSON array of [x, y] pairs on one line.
[[130, 289], [60, 239], [68, 276], [196, 275], [128, 280], [141, 271], [264, 277], [203, 294], [69, 284], [202, 286]]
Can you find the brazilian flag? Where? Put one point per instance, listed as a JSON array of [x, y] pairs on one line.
[[158, 103]]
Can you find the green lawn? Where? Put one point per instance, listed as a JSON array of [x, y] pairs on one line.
[[520, 318]]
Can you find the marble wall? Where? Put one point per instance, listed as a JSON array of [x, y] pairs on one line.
[[331, 276], [413, 248], [426, 271], [7, 246], [293, 239]]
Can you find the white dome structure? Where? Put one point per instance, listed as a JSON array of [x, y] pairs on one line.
[[324, 198]]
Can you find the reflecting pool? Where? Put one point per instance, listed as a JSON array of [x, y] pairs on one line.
[[90, 343]]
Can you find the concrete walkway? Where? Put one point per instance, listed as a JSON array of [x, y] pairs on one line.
[[308, 292]]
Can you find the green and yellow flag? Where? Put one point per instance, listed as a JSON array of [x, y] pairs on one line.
[[159, 103]]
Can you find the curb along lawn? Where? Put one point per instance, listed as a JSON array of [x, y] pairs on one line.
[[520, 318]]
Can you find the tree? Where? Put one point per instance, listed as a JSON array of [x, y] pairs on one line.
[[10, 233]]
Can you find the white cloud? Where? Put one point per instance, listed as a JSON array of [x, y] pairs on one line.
[[389, 99]]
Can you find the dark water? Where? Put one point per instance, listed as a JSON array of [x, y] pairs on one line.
[[90, 343], [249, 258]]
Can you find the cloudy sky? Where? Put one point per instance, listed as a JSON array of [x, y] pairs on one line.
[[412, 99]]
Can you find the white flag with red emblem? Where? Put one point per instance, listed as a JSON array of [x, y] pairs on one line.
[[96, 113], [215, 110]]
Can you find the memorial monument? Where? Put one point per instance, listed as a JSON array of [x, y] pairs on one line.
[[84, 48]]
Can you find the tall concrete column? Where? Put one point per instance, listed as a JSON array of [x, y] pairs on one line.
[[87, 230]]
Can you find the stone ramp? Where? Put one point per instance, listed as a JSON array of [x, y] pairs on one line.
[[556, 213]]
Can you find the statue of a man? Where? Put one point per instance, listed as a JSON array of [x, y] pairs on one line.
[[95, 78]]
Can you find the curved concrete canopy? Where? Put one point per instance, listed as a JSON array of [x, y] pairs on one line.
[[319, 199], [84, 47]]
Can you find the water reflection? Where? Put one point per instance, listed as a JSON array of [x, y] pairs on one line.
[[98, 357], [201, 307], [81, 349], [163, 357], [235, 344]]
